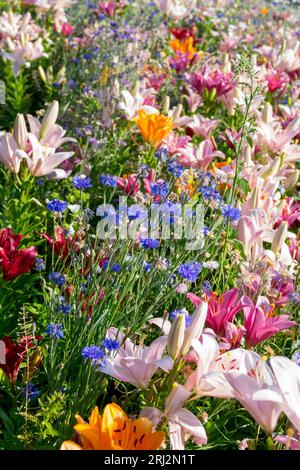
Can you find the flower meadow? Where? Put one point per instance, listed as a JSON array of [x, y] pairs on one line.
[[149, 225]]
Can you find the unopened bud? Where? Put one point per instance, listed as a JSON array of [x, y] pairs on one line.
[[50, 118], [279, 237], [292, 179], [20, 131], [267, 113], [166, 104], [176, 336], [195, 328]]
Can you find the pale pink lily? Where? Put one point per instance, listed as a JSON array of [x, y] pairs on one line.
[[9, 153], [202, 126], [199, 158], [176, 142], [132, 103], [177, 9], [193, 99], [136, 364], [256, 376], [261, 322], [271, 136], [43, 160], [287, 374], [181, 422], [48, 132], [290, 211]]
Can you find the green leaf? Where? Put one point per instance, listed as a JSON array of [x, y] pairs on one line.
[[244, 185]]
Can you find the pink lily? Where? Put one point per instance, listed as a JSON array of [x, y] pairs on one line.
[[199, 158], [9, 153], [176, 143], [129, 184], [43, 160], [290, 212], [48, 132], [136, 364], [260, 321], [202, 126], [233, 336], [221, 308], [256, 376], [180, 420]]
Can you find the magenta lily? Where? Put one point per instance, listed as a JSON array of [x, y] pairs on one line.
[[260, 321]]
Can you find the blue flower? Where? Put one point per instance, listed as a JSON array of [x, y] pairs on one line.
[[39, 264], [148, 243], [175, 169], [160, 189], [206, 286], [110, 344], [108, 180], [147, 266], [54, 330], [31, 391], [184, 312], [81, 182], [231, 213], [209, 193], [296, 357], [94, 354], [162, 154], [190, 270], [57, 279], [63, 306], [56, 206]]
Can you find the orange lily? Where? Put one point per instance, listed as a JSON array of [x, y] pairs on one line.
[[114, 431], [184, 46], [154, 127]]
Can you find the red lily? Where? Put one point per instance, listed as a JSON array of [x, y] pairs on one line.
[[14, 355], [62, 244], [12, 260]]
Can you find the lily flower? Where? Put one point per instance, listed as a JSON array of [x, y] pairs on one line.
[[114, 431], [15, 353], [137, 364], [154, 127]]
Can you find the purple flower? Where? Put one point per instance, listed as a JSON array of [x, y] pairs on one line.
[[110, 344], [31, 391], [190, 270], [54, 330], [231, 213], [108, 180], [56, 206], [149, 243], [81, 182], [57, 278]]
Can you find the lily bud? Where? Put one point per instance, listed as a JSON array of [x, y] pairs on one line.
[[292, 179], [136, 88], [255, 197], [272, 168], [176, 336], [20, 131], [195, 328], [50, 118], [227, 65], [166, 104], [177, 112], [279, 237], [248, 155], [267, 113], [42, 74]]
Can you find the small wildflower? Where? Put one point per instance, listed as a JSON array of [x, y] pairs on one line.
[[231, 213], [57, 278], [210, 265], [39, 264], [162, 154], [94, 354], [110, 344], [108, 180], [175, 169], [81, 182], [55, 330], [56, 206], [31, 391], [206, 286], [149, 243], [184, 312], [190, 270], [296, 357]]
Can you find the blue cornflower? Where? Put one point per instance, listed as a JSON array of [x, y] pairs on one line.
[[94, 354], [147, 266], [110, 344], [54, 330], [175, 169], [39, 264], [206, 231], [31, 391], [115, 268], [184, 312], [108, 180], [63, 306], [294, 297], [160, 189], [206, 286], [162, 154], [296, 357], [81, 182], [57, 278], [231, 213], [210, 194], [56, 206], [190, 270], [135, 212], [148, 243]]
